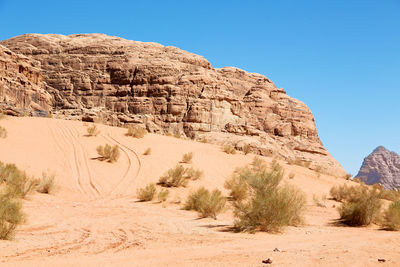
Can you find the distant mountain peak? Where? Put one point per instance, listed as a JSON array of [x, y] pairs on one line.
[[381, 167]]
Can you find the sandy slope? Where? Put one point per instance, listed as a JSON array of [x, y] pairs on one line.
[[93, 219]]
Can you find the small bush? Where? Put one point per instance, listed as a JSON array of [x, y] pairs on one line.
[[163, 195], [10, 216], [229, 149], [193, 174], [107, 152], [291, 175], [147, 152], [205, 203], [204, 140], [136, 131], [92, 130], [348, 176], [147, 193], [392, 216], [343, 192], [362, 208], [187, 158], [246, 149], [175, 177], [238, 187], [18, 183], [389, 194], [2, 116], [262, 204], [46, 184], [3, 132]]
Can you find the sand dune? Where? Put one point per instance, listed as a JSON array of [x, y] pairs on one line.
[[94, 219]]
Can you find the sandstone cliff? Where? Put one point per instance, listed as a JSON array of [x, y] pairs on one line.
[[381, 167], [21, 85], [165, 89]]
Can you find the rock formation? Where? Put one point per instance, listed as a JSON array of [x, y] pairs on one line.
[[165, 89], [381, 167], [21, 86]]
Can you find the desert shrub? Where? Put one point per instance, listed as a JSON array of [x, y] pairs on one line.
[[291, 175], [108, 152], [362, 208], [193, 174], [169, 134], [163, 195], [147, 193], [92, 130], [46, 183], [205, 203], [266, 206], [174, 177], [238, 187], [246, 149], [3, 132], [229, 149], [10, 215], [348, 176], [177, 135], [389, 194], [18, 183], [2, 116], [343, 192], [204, 140], [392, 216], [136, 131], [187, 158], [147, 152]]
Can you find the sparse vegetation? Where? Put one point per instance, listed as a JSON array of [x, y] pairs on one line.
[[136, 131], [18, 183], [205, 203], [318, 202], [179, 176], [262, 204], [163, 195], [246, 149], [193, 174], [204, 140], [299, 162], [147, 152], [2, 116], [147, 193], [174, 177], [92, 130], [362, 208], [344, 193], [108, 152], [229, 149], [291, 175], [187, 158], [46, 183], [3, 132], [348, 176], [10, 215], [392, 216]]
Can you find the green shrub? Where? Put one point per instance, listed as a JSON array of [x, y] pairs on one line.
[[3, 132], [136, 131], [163, 195], [18, 183], [175, 177], [10, 216], [392, 216], [193, 174], [92, 130], [264, 205], [46, 184], [246, 149], [107, 152], [238, 187], [187, 158], [229, 149], [147, 193], [205, 203], [147, 152], [362, 208]]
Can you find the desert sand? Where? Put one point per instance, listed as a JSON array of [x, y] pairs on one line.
[[94, 219]]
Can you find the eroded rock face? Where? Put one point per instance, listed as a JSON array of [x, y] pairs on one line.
[[95, 76], [381, 167], [21, 85]]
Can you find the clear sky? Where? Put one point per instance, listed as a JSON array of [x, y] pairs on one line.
[[342, 57]]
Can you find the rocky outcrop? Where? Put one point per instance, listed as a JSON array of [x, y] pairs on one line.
[[381, 167], [21, 86], [165, 89]]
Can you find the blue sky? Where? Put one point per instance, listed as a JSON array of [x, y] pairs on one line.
[[342, 58]]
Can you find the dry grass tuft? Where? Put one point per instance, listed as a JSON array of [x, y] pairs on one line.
[[187, 158], [108, 152], [10, 216], [147, 193], [3, 132], [163, 195], [147, 152], [92, 130], [246, 149], [229, 149], [136, 131], [392, 216], [46, 184]]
